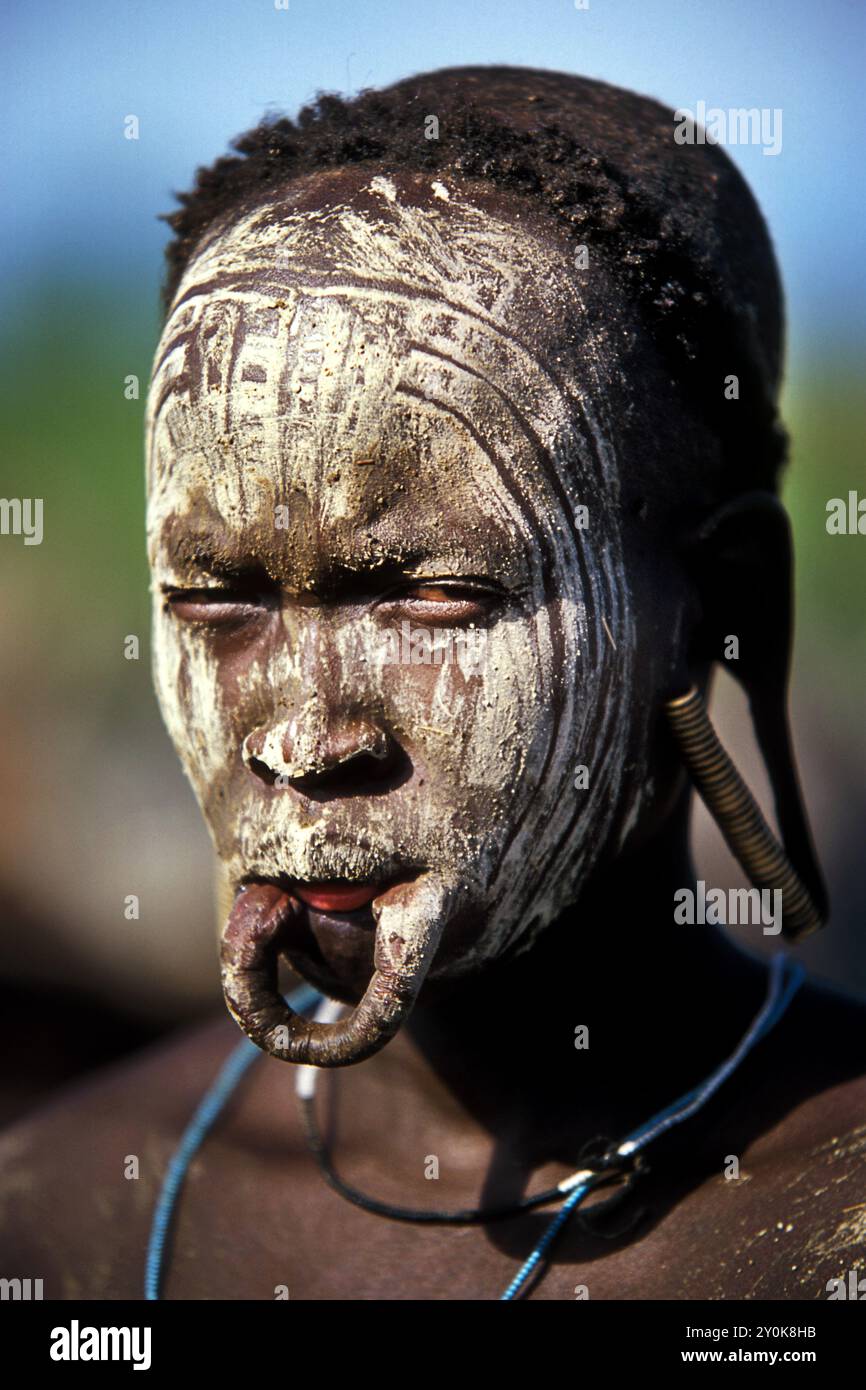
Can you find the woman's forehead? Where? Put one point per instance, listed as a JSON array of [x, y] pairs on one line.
[[356, 222], [446, 266], [350, 385]]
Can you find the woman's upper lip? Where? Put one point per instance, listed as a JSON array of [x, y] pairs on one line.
[[337, 896]]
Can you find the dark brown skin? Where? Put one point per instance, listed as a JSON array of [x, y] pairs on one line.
[[486, 1077], [455, 1083]]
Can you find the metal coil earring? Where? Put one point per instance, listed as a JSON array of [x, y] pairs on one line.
[[738, 815]]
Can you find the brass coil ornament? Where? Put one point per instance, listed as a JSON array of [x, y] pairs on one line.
[[738, 815]]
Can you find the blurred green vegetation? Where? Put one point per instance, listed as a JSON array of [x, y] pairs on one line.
[[825, 411], [71, 437]]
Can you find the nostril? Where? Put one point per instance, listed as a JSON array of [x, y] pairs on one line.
[[364, 774], [262, 771], [369, 765]]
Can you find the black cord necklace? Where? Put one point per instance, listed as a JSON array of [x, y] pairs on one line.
[[605, 1168], [623, 1160]]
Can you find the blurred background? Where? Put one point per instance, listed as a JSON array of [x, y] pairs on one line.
[[93, 806]]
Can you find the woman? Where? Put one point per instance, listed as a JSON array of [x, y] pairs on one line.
[[487, 353]]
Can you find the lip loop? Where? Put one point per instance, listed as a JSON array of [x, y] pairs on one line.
[[254, 936]]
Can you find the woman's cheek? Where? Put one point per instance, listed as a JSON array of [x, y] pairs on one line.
[[476, 721], [186, 676]]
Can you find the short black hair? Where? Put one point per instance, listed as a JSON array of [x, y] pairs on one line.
[[676, 224]]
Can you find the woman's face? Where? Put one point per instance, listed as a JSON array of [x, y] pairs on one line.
[[396, 642]]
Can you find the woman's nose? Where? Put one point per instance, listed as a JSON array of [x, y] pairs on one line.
[[310, 753]]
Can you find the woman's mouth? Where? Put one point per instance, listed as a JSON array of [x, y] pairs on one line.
[[408, 914], [337, 896], [332, 939]]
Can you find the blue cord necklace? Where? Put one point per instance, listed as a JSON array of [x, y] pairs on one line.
[[785, 978]]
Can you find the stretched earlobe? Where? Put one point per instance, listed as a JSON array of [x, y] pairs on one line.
[[741, 562], [738, 815]]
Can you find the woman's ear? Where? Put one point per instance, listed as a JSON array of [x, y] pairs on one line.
[[741, 561]]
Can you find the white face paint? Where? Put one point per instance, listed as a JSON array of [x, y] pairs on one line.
[[374, 368]]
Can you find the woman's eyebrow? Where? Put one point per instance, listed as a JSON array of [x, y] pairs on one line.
[[192, 551], [211, 552]]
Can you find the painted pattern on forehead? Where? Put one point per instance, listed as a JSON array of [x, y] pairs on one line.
[[433, 321], [458, 358], [469, 278]]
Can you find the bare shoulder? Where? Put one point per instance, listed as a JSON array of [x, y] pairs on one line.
[[819, 1153], [79, 1176], [786, 1213]]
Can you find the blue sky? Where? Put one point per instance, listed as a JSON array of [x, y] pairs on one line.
[[196, 72]]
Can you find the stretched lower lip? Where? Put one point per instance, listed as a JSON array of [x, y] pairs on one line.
[[337, 897]]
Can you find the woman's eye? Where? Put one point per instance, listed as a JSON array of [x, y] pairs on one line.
[[435, 593], [445, 603], [213, 607]]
